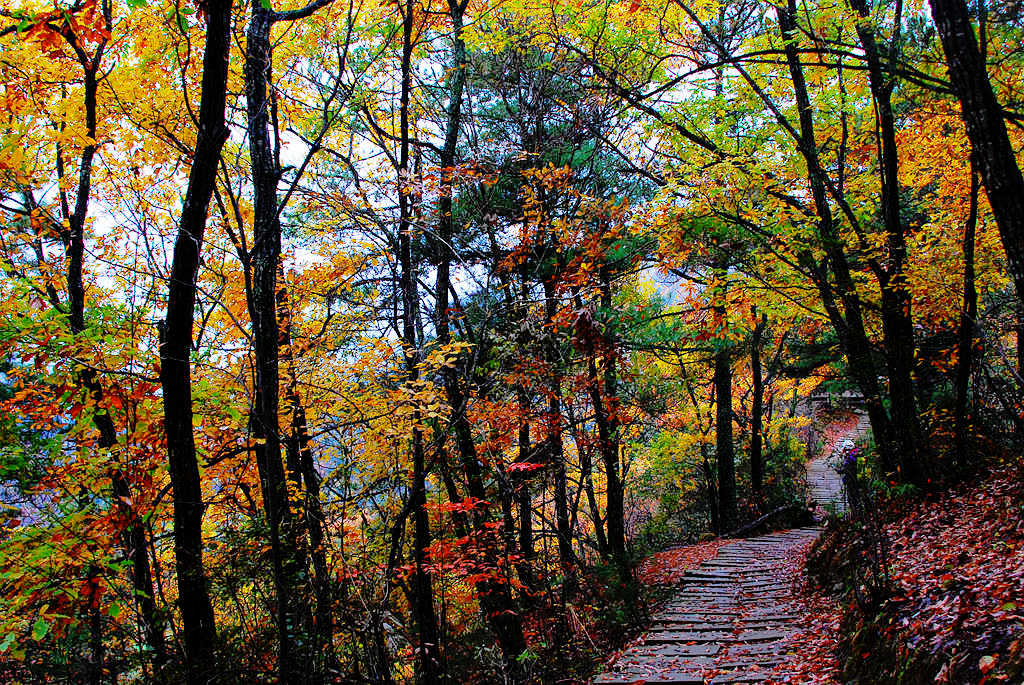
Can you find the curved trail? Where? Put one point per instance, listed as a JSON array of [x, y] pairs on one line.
[[733, 618]]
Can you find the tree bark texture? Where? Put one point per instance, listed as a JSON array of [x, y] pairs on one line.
[[175, 348]]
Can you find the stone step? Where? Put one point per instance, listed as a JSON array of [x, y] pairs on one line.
[[675, 650], [658, 679], [743, 677]]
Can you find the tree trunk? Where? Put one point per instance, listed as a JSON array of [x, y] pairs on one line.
[[287, 552], [524, 498], [175, 350], [710, 480], [97, 650], [757, 408], [897, 322], [300, 458], [968, 316], [727, 507], [428, 649], [133, 538], [1020, 334], [986, 129], [494, 595], [606, 413], [495, 598], [554, 446], [587, 483], [848, 324]]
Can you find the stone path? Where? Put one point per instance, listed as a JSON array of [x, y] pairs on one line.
[[824, 484], [732, 619], [728, 624]]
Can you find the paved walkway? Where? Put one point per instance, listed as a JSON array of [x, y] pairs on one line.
[[731, 621], [824, 484]]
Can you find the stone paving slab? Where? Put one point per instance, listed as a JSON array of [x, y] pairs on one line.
[[672, 650], [663, 679]]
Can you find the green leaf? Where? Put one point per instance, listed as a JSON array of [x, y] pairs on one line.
[[266, 4], [40, 629], [115, 610]]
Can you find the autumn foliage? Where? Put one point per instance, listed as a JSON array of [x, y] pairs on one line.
[[380, 341]]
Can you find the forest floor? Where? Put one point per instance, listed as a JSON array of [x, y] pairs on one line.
[[669, 567], [745, 613], [954, 611]]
